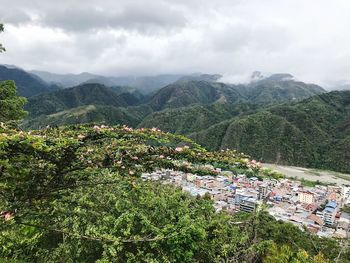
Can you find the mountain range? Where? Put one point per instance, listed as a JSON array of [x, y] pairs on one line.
[[27, 84], [314, 132], [145, 84], [274, 119]]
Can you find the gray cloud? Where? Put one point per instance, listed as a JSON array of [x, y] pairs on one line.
[[77, 16], [306, 38], [128, 17], [15, 16]]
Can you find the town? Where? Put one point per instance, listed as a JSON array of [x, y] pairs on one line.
[[317, 209]]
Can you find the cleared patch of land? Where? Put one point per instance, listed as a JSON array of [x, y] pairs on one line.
[[300, 173]]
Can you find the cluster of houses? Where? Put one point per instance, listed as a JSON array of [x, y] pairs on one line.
[[318, 209]]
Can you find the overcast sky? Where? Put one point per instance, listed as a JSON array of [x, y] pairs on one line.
[[307, 38]]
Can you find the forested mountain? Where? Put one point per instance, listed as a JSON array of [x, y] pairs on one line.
[[185, 93], [194, 118], [27, 84], [132, 116], [278, 88], [314, 132], [227, 100], [217, 115], [86, 94], [274, 89], [188, 106]]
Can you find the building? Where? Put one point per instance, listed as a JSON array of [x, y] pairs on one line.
[[263, 189], [345, 194], [306, 197], [248, 204], [329, 213], [245, 193], [315, 219]]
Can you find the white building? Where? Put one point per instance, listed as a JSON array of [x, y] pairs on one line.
[[306, 197], [345, 194]]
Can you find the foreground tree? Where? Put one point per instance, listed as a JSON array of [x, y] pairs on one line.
[[11, 105], [73, 194]]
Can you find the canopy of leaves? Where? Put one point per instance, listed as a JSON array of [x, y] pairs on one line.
[[11, 105], [73, 194]]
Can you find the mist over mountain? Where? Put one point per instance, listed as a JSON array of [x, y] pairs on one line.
[[27, 84], [64, 80], [338, 85], [146, 84]]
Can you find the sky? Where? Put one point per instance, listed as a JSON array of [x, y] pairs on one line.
[[308, 38]]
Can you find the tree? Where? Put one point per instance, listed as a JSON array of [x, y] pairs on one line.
[[73, 194], [1, 30], [285, 254], [11, 105]]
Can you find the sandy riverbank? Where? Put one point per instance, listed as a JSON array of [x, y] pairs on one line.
[[311, 174]]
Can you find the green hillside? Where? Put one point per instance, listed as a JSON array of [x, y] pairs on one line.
[[274, 89], [218, 116], [278, 88], [188, 106], [314, 132], [87, 94], [185, 93], [90, 114], [28, 85], [194, 118]]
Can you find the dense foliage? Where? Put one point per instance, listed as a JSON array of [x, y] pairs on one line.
[[73, 194], [11, 105], [195, 118]]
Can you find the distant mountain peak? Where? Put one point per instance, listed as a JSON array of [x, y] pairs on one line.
[[11, 66], [280, 77], [201, 77], [256, 76]]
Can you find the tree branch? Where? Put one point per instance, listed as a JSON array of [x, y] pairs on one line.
[[100, 239]]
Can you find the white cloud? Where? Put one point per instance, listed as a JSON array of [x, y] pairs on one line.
[[308, 39]]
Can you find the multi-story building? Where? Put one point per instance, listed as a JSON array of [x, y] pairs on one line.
[[248, 204], [306, 197], [263, 190], [329, 213]]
